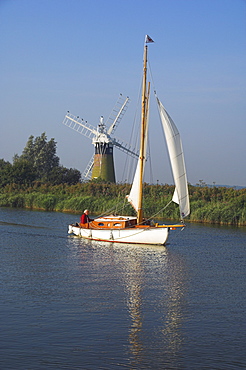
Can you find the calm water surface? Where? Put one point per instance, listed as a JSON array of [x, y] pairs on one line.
[[70, 304]]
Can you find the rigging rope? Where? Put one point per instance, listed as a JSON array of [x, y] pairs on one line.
[[124, 206]]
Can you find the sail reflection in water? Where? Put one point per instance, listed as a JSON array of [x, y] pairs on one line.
[[154, 302], [153, 288]]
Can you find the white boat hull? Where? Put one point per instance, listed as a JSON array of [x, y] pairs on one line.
[[150, 235]]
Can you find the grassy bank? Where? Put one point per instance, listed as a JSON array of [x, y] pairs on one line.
[[219, 205]]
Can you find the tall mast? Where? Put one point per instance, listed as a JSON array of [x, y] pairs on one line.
[[142, 137]]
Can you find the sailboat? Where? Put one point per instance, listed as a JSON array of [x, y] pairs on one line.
[[134, 229]]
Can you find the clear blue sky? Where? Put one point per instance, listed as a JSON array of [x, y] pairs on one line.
[[78, 55]]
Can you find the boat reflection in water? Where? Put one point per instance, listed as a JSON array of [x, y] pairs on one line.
[[154, 288], [153, 292]]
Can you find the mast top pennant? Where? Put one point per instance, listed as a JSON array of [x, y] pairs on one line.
[[148, 39]]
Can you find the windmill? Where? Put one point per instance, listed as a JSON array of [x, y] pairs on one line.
[[102, 163]]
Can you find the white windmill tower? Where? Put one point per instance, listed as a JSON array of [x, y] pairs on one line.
[[102, 162]]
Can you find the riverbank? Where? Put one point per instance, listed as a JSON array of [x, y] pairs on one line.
[[217, 205]]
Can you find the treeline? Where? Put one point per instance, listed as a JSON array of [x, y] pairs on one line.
[[38, 162], [220, 205]]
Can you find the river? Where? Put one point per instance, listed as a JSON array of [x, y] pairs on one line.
[[71, 304]]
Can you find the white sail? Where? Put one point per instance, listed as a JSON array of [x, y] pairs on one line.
[[133, 197], [176, 155]]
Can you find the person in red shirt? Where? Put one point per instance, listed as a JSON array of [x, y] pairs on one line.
[[84, 219]]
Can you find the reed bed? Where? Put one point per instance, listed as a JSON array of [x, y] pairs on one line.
[[217, 205]]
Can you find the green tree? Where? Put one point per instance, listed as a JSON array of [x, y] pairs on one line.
[[38, 162], [28, 151], [5, 173], [41, 154], [22, 172], [63, 175]]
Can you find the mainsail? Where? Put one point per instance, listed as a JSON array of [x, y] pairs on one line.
[[133, 197], [175, 150]]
